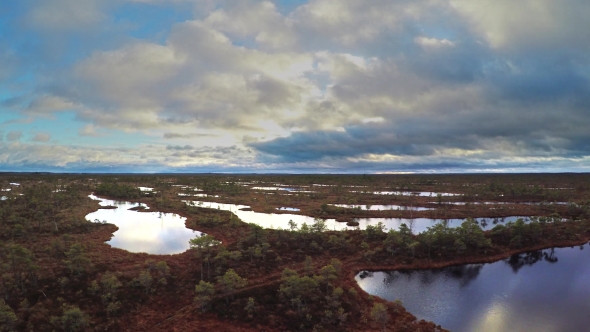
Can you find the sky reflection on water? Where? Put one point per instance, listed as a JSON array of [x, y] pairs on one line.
[[275, 220], [541, 291], [150, 232]]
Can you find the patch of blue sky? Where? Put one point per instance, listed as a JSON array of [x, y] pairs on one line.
[[247, 42], [151, 21], [63, 127], [439, 32], [287, 6]]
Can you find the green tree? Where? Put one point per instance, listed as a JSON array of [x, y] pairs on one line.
[[308, 265], [327, 275], [250, 307], [379, 315], [76, 260], [203, 245], [21, 264], [110, 285], [73, 319], [292, 226], [145, 280], [230, 282], [298, 291], [318, 226], [8, 318], [204, 292]]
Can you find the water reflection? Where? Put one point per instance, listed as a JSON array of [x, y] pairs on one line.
[[283, 208], [368, 207], [149, 232], [268, 220], [419, 225], [528, 292], [408, 193], [275, 220]]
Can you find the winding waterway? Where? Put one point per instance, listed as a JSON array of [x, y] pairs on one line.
[[546, 290]]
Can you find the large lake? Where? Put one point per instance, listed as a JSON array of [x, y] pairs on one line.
[[150, 232], [546, 290]]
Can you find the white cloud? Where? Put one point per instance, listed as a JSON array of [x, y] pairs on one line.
[[433, 43], [47, 104], [258, 20], [241, 72], [536, 24], [88, 130]]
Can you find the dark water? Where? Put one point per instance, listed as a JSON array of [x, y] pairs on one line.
[[546, 290]]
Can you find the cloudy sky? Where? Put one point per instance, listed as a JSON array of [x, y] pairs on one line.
[[295, 86]]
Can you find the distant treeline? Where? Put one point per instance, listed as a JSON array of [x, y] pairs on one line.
[[117, 190]]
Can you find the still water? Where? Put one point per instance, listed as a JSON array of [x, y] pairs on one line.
[[419, 225], [150, 232], [546, 290], [275, 220], [268, 220], [368, 207]]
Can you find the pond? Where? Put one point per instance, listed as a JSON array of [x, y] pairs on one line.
[[408, 193], [545, 290], [150, 232], [507, 203], [268, 220], [281, 220], [367, 207], [283, 208], [418, 225]]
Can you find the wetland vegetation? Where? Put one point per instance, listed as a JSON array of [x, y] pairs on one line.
[[277, 269]]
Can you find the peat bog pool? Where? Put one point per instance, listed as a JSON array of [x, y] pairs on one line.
[[546, 290], [267, 220], [275, 221], [150, 232], [419, 225]]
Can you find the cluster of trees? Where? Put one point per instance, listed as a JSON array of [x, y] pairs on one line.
[[116, 190], [39, 209], [314, 300], [227, 284]]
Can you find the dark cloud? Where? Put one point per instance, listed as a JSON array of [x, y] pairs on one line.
[[404, 84]]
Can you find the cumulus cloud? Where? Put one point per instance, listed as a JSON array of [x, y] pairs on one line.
[[534, 25], [88, 130], [333, 84]]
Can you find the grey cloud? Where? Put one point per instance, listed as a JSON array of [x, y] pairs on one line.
[[180, 147], [41, 137], [177, 135], [450, 90], [14, 136]]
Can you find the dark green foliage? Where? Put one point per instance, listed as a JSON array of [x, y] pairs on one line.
[[8, 318], [117, 190], [72, 320], [204, 292]]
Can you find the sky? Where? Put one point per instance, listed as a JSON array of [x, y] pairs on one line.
[[316, 86]]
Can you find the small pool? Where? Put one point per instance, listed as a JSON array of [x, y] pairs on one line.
[[150, 232]]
